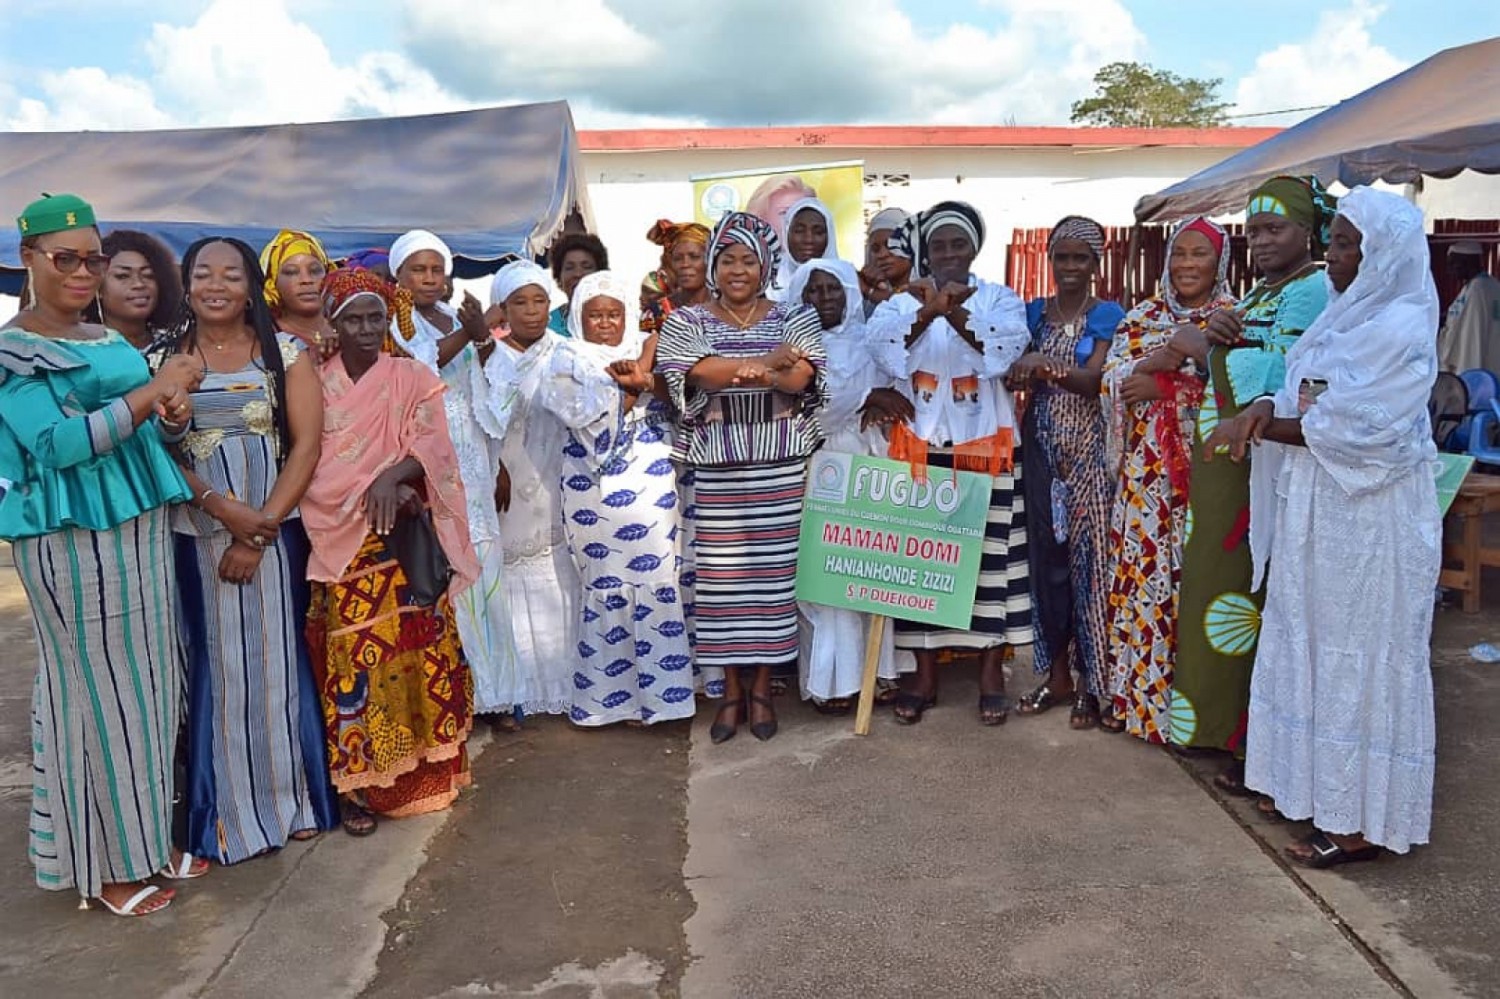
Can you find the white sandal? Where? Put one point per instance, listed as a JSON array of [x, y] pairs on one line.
[[183, 869], [133, 903]]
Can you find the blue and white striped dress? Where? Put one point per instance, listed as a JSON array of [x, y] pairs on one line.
[[256, 764]]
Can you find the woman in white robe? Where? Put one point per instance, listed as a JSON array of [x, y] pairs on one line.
[[541, 584], [454, 345], [1343, 505], [833, 642]]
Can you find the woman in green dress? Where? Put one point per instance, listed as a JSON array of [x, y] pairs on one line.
[[1245, 352], [87, 482]]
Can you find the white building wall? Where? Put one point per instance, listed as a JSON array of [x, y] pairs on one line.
[[1013, 187]]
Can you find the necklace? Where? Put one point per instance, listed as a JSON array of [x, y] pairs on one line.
[[1082, 308], [740, 321]]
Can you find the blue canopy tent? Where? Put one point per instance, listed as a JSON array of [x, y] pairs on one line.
[[491, 182], [1438, 118]]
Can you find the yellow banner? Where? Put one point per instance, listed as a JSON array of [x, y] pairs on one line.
[[769, 193]]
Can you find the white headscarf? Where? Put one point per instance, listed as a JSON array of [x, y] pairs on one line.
[[1375, 346], [788, 265], [854, 303], [516, 275], [607, 284], [416, 241]]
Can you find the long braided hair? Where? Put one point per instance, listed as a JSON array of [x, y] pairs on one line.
[[184, 335]]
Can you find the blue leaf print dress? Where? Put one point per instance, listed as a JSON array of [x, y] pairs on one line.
[[622, 515]]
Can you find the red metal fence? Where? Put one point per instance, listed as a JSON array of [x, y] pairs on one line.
[[1128, 278]]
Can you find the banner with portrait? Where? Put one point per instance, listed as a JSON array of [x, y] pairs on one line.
[[769, 193]]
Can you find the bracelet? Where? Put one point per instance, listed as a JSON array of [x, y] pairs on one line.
[[202, 497]]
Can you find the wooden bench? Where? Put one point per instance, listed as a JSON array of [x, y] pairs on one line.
[[1464, 553]]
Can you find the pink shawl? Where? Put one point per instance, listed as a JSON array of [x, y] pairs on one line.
[[394, 411]]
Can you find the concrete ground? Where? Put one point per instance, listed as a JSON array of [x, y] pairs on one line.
[[939, 860]]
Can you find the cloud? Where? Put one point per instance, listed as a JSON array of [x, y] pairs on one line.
[[85, 97], [236, 64], [771, 61], [1336, 61]]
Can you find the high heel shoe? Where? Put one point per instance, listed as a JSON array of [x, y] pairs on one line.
[[766, 729], [719, 732]]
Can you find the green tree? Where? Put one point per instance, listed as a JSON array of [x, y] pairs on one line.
[[1134, 95]]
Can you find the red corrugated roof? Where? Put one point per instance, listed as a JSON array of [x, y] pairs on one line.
[[867, 136]]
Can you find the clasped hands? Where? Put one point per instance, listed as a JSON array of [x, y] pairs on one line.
[[765, 371]]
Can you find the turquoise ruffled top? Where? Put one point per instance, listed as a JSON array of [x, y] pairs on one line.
[[1274, 316], [69, 454]]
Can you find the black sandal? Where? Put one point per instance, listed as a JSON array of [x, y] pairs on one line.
[[1040, 701], [1326, 853], [994, 709], [1085, 710], [356, 820], [909, 708], [833, 706]]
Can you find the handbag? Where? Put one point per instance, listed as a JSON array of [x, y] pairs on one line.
[[414, 543]]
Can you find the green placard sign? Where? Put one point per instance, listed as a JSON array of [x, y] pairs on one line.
[[1452, 469], [876, 540]]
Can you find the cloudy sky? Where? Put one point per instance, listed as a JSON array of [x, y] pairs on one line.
[[72, 64]]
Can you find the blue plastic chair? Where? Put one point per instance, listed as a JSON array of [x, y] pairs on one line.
[[1479, 435], [1484, 388]]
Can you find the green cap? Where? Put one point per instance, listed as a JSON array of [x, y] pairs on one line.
[[55, 213]]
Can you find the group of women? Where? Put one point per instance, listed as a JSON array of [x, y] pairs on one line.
[[288, 526]]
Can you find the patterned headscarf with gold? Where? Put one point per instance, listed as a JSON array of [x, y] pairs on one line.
[[287, 243], [346, 284]]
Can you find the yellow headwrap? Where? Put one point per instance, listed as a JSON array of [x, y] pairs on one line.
[[288, 243]]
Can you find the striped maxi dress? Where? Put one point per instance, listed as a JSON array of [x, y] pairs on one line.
[[748, 450], [257, 769], [87, 520]]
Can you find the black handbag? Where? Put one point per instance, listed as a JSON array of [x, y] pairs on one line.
[[414, 544]]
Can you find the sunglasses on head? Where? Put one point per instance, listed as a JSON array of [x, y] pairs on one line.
[[67, 261]]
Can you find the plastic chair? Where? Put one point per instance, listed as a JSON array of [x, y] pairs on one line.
[[1479, 435], [1484, 387]]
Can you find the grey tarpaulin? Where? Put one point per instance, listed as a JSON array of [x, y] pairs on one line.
[[490, 182], [1438, 118]]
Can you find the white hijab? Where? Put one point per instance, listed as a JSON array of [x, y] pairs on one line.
[[516, 275], [788, 265], [854, 308], [592, 286], [1375, 346]]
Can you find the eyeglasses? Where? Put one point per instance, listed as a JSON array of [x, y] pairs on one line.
[[67, 261]]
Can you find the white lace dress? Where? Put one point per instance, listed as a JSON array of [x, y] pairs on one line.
[[482, 611], [541, 584]]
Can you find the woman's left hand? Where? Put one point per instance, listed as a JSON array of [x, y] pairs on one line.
[[383, 505], [1236, 435], [1139, 388], [175, 410], [240, 563], [327, 344], [752, 374]]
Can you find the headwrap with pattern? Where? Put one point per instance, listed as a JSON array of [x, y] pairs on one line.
[[1304, 200], [286, 244], [910, 241], [343, 286], [1219, 238], [1081, 228], [369, 259], [746, 230]]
